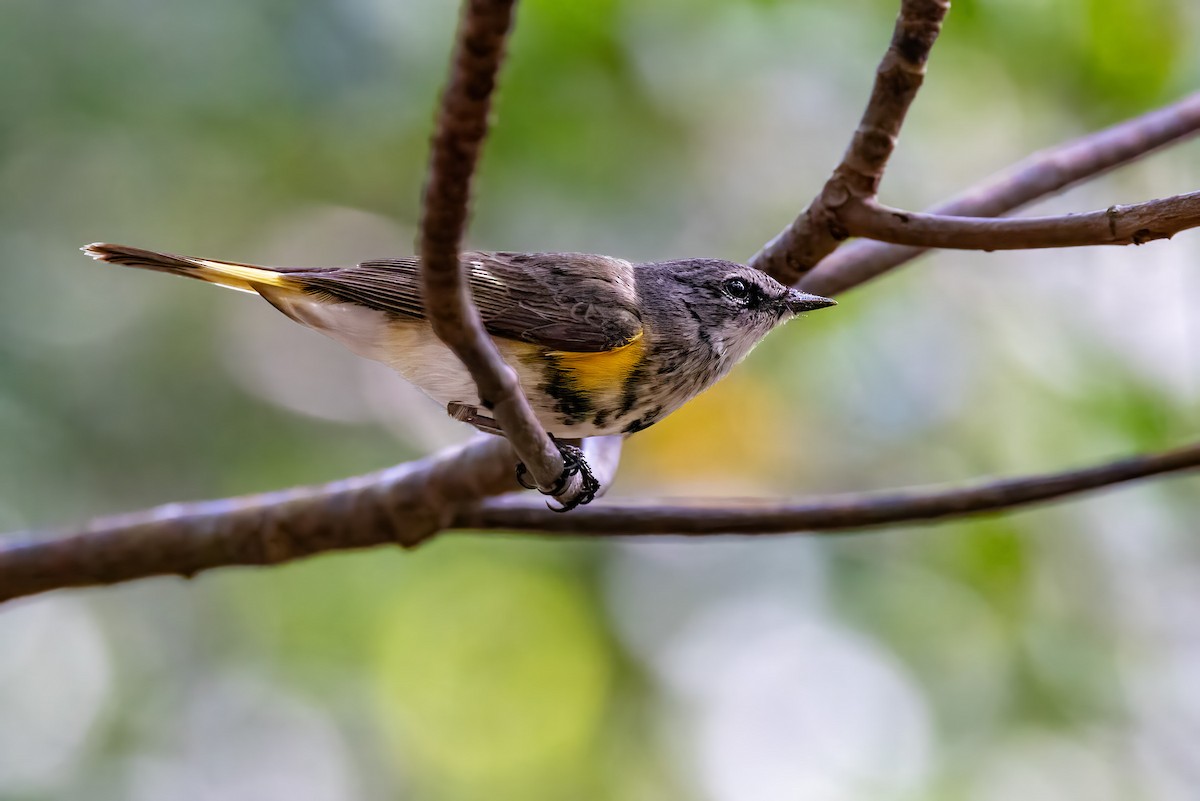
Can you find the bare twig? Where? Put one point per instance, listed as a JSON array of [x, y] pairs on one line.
[[412, 502], [823, 515], [1037, 176], [1116, 225], [461, 128], [816, 233]]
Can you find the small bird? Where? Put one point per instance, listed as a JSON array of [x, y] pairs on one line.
[[600, 345]]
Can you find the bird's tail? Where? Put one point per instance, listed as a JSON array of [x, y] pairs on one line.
[[244, 277]]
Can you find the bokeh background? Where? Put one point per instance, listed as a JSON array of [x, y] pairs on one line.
[[1046, 655]]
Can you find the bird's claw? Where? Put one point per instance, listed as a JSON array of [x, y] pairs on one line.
[[573, 462]]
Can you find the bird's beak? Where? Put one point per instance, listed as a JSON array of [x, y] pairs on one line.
[[798, 301]]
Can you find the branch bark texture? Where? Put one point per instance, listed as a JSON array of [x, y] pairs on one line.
[[403, 504]]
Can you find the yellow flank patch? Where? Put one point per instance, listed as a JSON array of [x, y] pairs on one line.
[[603, 371]]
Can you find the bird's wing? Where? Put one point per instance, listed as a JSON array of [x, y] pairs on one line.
[[569, 302]]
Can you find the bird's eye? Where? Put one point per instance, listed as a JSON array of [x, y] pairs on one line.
[[737, 289]]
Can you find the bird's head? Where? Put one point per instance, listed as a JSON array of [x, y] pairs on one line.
[[735, 306]]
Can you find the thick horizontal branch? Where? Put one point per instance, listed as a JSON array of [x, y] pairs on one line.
[[403, 504], [818, 515], [412, 502], [1116, 225], [814, 234], [1042, 174], [462, 125]]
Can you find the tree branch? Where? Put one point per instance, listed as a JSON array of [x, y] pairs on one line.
[[1042, 174], [823, 515], [1116, 225], [412, 502], [815, 233], [462, 125], [403, 504]]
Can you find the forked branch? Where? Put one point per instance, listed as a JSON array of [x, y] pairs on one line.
[[815, 233], [1042, 174]]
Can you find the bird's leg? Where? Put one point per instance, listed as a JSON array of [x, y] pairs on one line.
[[572, 456]]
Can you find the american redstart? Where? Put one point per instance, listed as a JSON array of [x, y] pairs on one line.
[[600, 345]]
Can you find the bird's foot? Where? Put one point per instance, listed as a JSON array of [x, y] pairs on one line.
[[573, 463], [572, 456]]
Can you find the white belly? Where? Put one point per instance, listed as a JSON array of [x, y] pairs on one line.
[[412, 350], [415, 353]]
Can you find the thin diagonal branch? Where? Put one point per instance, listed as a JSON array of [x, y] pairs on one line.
[[412, 502], [838, 513], [1116, 225], [1042, 174], [815, 233], [462, 125]]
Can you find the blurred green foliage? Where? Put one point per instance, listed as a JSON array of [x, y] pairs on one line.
[[1046, 655]]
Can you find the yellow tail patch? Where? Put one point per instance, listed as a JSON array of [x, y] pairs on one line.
[[238, 276], [244, 277]]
